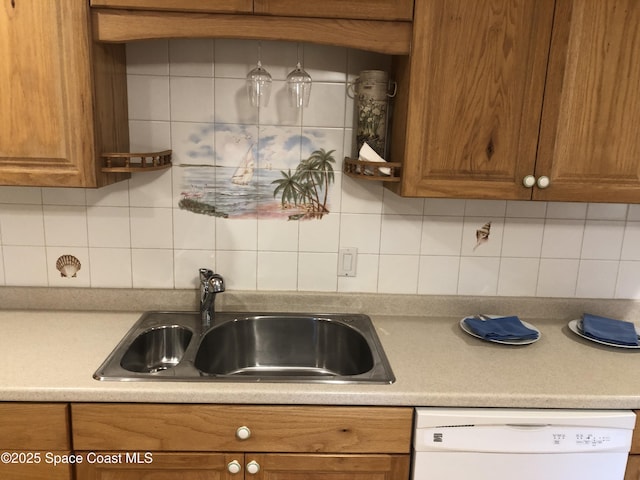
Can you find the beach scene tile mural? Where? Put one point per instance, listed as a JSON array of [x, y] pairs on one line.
[[257, 171]]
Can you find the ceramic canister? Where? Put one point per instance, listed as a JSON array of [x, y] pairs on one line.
[[372, 92]]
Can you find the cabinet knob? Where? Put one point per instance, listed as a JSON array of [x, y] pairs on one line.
[[234, 467], [543, 182], [253, 467], [529, 181], [242, 433]]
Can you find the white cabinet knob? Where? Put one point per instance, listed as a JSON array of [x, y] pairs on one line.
[[253, 467], [529, 181], [543, 182], [242, 433], [234, 467]]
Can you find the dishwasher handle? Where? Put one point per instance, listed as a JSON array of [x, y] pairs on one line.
[[527, 426]]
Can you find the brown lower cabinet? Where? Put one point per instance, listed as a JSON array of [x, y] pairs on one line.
[[633, 468], [198, 442], [32, 436], [209, 442], [33, 471], [156, 465]]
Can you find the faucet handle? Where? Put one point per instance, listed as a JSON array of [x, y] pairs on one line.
[[205, 275], [211, 281]]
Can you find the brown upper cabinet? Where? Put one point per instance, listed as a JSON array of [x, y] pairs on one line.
[[360, 9], [63, 99], [497, 94], [589, 141]]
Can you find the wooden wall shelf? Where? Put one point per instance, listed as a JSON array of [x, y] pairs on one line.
[[136, 162], [364, 170]]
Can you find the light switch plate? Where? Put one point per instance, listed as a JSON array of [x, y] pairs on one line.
[[347, 262]]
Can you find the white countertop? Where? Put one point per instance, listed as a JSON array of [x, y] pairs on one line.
[[52, 355]]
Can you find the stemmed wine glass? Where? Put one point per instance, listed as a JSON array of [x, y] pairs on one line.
[[299, 85], [259, 84]]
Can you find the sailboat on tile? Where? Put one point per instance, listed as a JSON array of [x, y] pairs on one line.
[[244, 172]]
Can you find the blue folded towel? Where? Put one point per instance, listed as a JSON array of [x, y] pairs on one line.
[[609, 330], [502, 328]]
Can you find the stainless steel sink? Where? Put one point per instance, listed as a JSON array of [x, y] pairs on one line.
[[157, 349], [245, 347], [285, 346]]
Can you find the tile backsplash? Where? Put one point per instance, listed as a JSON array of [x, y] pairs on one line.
[[157, 229]]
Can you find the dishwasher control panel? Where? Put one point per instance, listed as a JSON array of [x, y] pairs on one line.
[[524, 434], [531, 439], [587, 439]]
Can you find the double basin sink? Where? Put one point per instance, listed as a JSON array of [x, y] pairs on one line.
[[242, 347]]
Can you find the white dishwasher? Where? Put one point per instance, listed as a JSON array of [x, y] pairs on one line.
[[508, 444]]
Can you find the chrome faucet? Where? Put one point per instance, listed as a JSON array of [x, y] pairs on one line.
[[210, 284]]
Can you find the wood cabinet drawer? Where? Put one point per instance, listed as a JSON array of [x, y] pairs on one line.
[[160, 427], [34, 426]]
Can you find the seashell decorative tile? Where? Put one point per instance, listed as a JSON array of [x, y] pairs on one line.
[[68, 266], [482, 234]]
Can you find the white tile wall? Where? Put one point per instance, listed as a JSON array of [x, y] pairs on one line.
[[189, 95]]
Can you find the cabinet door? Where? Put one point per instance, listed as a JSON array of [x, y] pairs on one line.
[[589, 140], [226, 6], [361, 9], [28, 432], [329, 467], [46, 102], [34, 426], [52, 118], [154, 466], [35, 471], [475, 83]]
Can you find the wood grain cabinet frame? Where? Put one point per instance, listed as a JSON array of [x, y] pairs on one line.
[[211, 6], [362, 9], [359, 9], [393, 38]]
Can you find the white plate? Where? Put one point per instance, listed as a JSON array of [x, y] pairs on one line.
[[524, 341], [575, 327]]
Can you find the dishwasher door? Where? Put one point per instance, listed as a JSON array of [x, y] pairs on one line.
[[500, 444]]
